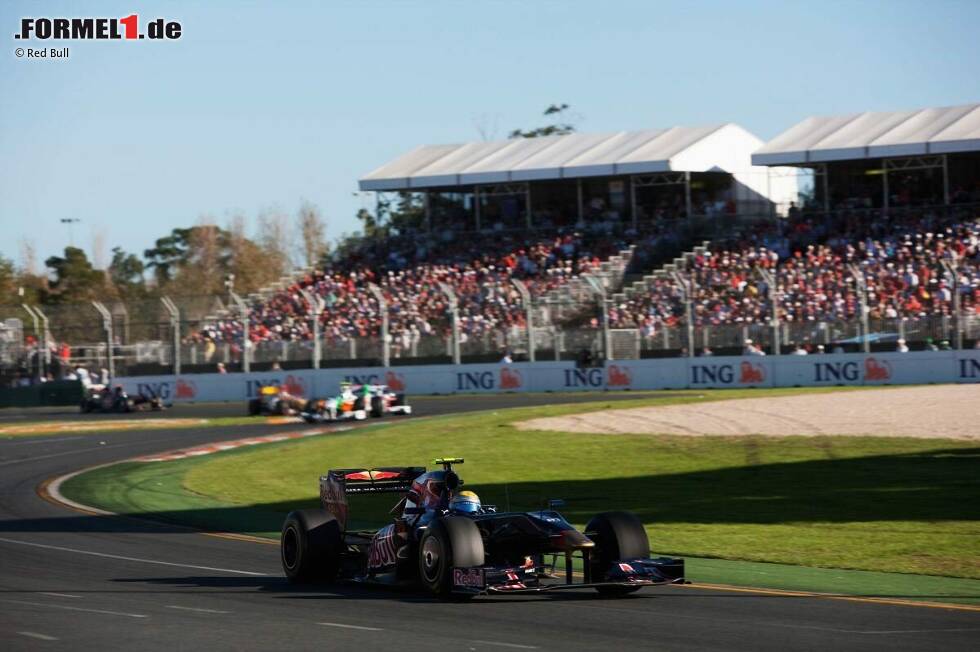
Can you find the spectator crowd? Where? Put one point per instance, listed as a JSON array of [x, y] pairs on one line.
[[411, 273], [910, 266]]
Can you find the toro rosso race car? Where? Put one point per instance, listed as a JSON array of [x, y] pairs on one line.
[[356, 402], [442, 539], [99, 398], [276, 400]]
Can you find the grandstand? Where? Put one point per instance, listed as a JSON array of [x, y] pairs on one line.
[[842, 233]]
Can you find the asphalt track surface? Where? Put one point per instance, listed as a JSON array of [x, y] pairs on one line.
[[75, 581]]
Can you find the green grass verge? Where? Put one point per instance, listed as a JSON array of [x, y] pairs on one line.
[[894, 511]]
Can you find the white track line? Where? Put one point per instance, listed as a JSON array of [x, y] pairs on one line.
[[344, 626], [52, 605], [136, 559], [40, 637], [198, 609], [511, 645], [59, 595]]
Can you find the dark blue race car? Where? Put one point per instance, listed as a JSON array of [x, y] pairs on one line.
[[443, 540]]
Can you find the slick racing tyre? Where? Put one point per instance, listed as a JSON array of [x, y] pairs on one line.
[[377, 406], [254, 407], [617, 535], [310, 546], [448, 542]]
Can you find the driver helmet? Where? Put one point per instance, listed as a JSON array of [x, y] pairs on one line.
[[465, 502], [345, 387]]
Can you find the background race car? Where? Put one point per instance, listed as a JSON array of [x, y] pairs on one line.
[[357, 402], [99, 398], [436, 544], [275, 400]]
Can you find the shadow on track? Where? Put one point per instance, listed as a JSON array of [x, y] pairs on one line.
[[348, 590], [938, 485]]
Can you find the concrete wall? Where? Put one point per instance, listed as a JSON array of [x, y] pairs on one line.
[[669, 373]]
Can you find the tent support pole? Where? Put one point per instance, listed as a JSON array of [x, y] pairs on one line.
[[633, 215], [687, 193]]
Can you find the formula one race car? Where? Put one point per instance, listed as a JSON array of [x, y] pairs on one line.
[[356, 402], [99, 398], [274, 399], [443, 540]]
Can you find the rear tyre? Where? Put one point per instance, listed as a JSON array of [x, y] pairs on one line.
[[448, 542], [377, 407], [617, 535], [254, 407], [310, 546]]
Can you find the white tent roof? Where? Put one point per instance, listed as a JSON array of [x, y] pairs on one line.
[[875, 135], [690, 149]]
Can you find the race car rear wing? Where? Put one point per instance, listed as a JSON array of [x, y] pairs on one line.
[[338, 483]]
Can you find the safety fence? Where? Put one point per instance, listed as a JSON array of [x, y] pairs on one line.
[[667, 373]]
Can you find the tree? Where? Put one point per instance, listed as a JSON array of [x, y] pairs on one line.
[[275, 239], [556, 113], [126, 274], [8, 282], [312, 230], [191, 261], [169, 254], [75, 279], [249, 262]]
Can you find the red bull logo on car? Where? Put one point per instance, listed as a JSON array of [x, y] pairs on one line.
[[382, 552]]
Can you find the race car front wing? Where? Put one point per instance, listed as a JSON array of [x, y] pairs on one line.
[[623, 573]]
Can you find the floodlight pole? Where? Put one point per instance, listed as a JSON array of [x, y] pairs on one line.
[[862, 287], [953, 270], [45, 337], [529, 315], [37, 333], [454, 315], [107, 326], [317, 306], [600, 292], [383, 306], [685, 286], [770, 280], [246, 342], [174, 313]]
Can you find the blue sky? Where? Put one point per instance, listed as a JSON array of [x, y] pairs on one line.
[[262, 105]]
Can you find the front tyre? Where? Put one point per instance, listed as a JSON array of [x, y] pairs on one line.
[[617, 536], [310, 546], [448, 542]]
